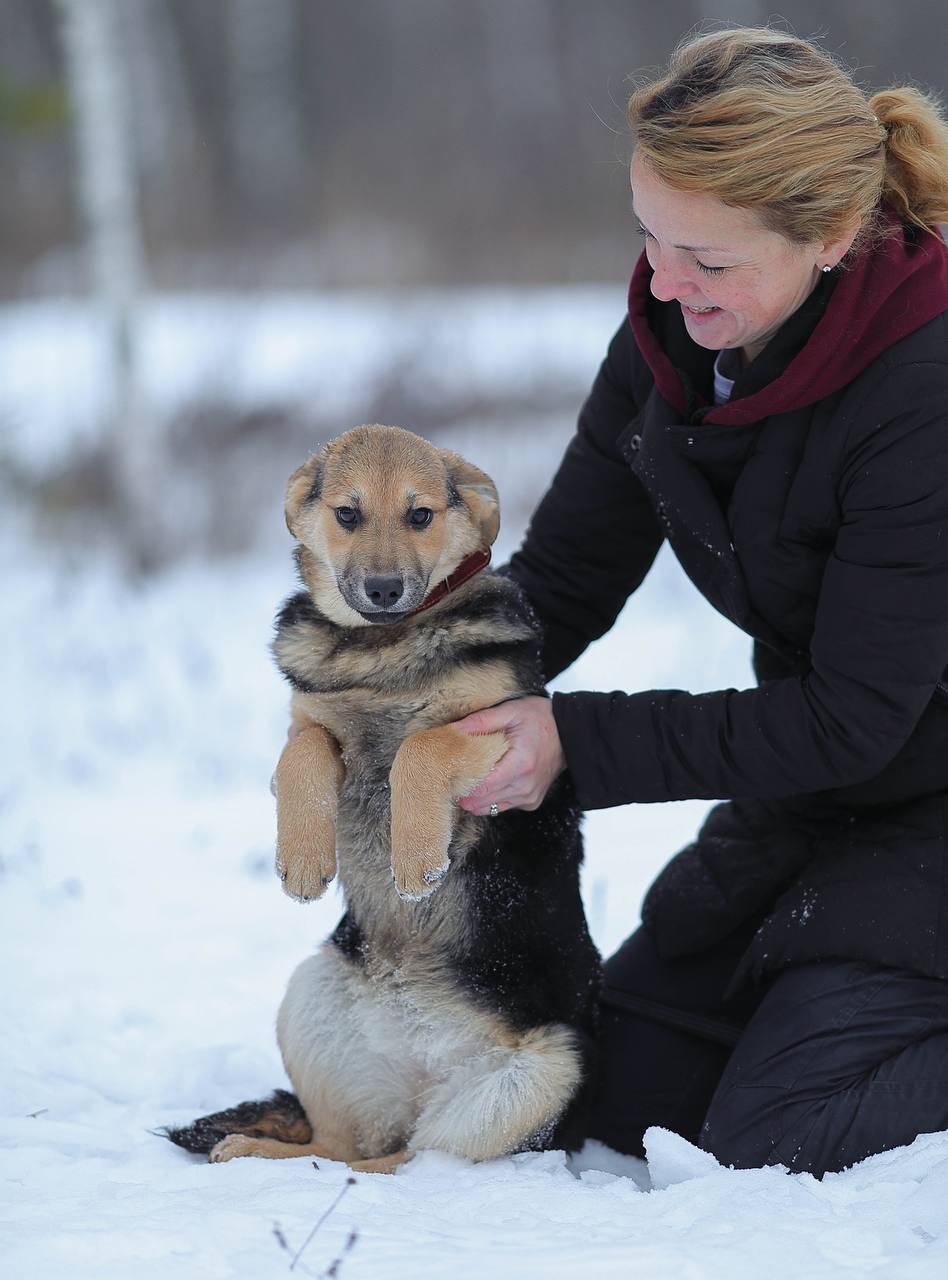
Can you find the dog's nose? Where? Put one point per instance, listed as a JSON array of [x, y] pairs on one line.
[[384, 591]]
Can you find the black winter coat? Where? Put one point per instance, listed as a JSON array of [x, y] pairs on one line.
[[811, 510]]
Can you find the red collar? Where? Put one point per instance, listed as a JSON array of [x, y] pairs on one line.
[[470, 565]]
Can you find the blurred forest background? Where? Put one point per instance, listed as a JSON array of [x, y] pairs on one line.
[[337, 143], [158, 154]]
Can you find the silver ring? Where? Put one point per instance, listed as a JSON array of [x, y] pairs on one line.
[[493, 811]]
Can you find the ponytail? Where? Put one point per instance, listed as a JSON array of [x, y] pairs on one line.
[[916, 155]]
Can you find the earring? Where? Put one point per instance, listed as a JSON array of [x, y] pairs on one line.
[[826, 268]]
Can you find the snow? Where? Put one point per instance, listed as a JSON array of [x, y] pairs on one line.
[[244, 350], [146, 942]]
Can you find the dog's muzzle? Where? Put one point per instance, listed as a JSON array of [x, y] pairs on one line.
[[382, 598], [384, 593]]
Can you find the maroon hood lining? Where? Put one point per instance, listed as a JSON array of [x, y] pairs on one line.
[[883, 296]]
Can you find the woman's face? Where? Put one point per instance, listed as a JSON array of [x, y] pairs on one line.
[[735, 281]]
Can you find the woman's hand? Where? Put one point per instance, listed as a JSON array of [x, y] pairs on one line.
[[534, 757]]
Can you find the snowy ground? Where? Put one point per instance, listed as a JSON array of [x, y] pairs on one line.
[[145, 945]]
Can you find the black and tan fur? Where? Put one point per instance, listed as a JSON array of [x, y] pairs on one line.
[[453, 1006]]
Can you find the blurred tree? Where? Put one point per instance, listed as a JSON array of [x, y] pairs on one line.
[[173, 181], [265, 134], [105, 176], [523, 69]]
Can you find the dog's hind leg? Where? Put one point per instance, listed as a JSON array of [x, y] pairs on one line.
[[238, 1144], [242, 1144], [277, 1127], [344, 1050], [503, 1100], [431, 770], [308, 776], [383, 1164]]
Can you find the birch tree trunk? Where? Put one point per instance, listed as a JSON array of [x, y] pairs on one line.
[[101, 112]]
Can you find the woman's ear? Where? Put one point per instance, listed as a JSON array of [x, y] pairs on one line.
[[835, 250], [304, 487], [476, 491]]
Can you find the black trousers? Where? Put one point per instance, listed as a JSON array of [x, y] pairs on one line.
[[830, 1063]]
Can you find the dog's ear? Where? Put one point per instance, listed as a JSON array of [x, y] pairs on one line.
[[470, 486], [305, 485]]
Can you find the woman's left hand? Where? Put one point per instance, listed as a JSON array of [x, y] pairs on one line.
[[534, 756]]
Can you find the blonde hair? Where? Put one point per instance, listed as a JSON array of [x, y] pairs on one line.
[[766, 121]]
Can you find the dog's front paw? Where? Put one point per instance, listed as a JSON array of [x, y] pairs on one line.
[[417, 875], [308, 776], [305, 877], [306, 850], [423, 816]]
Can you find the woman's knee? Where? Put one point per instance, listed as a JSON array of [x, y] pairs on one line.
[[745, 1128], [841, 1061]]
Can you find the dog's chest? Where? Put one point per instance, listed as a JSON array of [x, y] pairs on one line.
[[371, 701], [369, 724]]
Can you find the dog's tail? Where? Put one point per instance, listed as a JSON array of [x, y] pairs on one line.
[[280, 1116]]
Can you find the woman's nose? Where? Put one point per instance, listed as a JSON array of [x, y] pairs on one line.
[[667, 283]]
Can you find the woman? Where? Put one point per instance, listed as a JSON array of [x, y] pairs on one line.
[[776, 406]]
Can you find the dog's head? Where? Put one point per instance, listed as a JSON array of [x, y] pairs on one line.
[[382, 517]]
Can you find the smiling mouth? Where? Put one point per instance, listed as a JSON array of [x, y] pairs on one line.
[[699, 311]]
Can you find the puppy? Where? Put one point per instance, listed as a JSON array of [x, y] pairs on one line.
[[453, 1007]]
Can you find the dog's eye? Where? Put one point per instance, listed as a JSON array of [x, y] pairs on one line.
[[347, 516], [420, 517]]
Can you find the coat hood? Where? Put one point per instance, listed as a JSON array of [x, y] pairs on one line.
[[883, 296]]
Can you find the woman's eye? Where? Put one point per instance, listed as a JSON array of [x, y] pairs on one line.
[[347, 516], [708, 271], [420, 517]]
